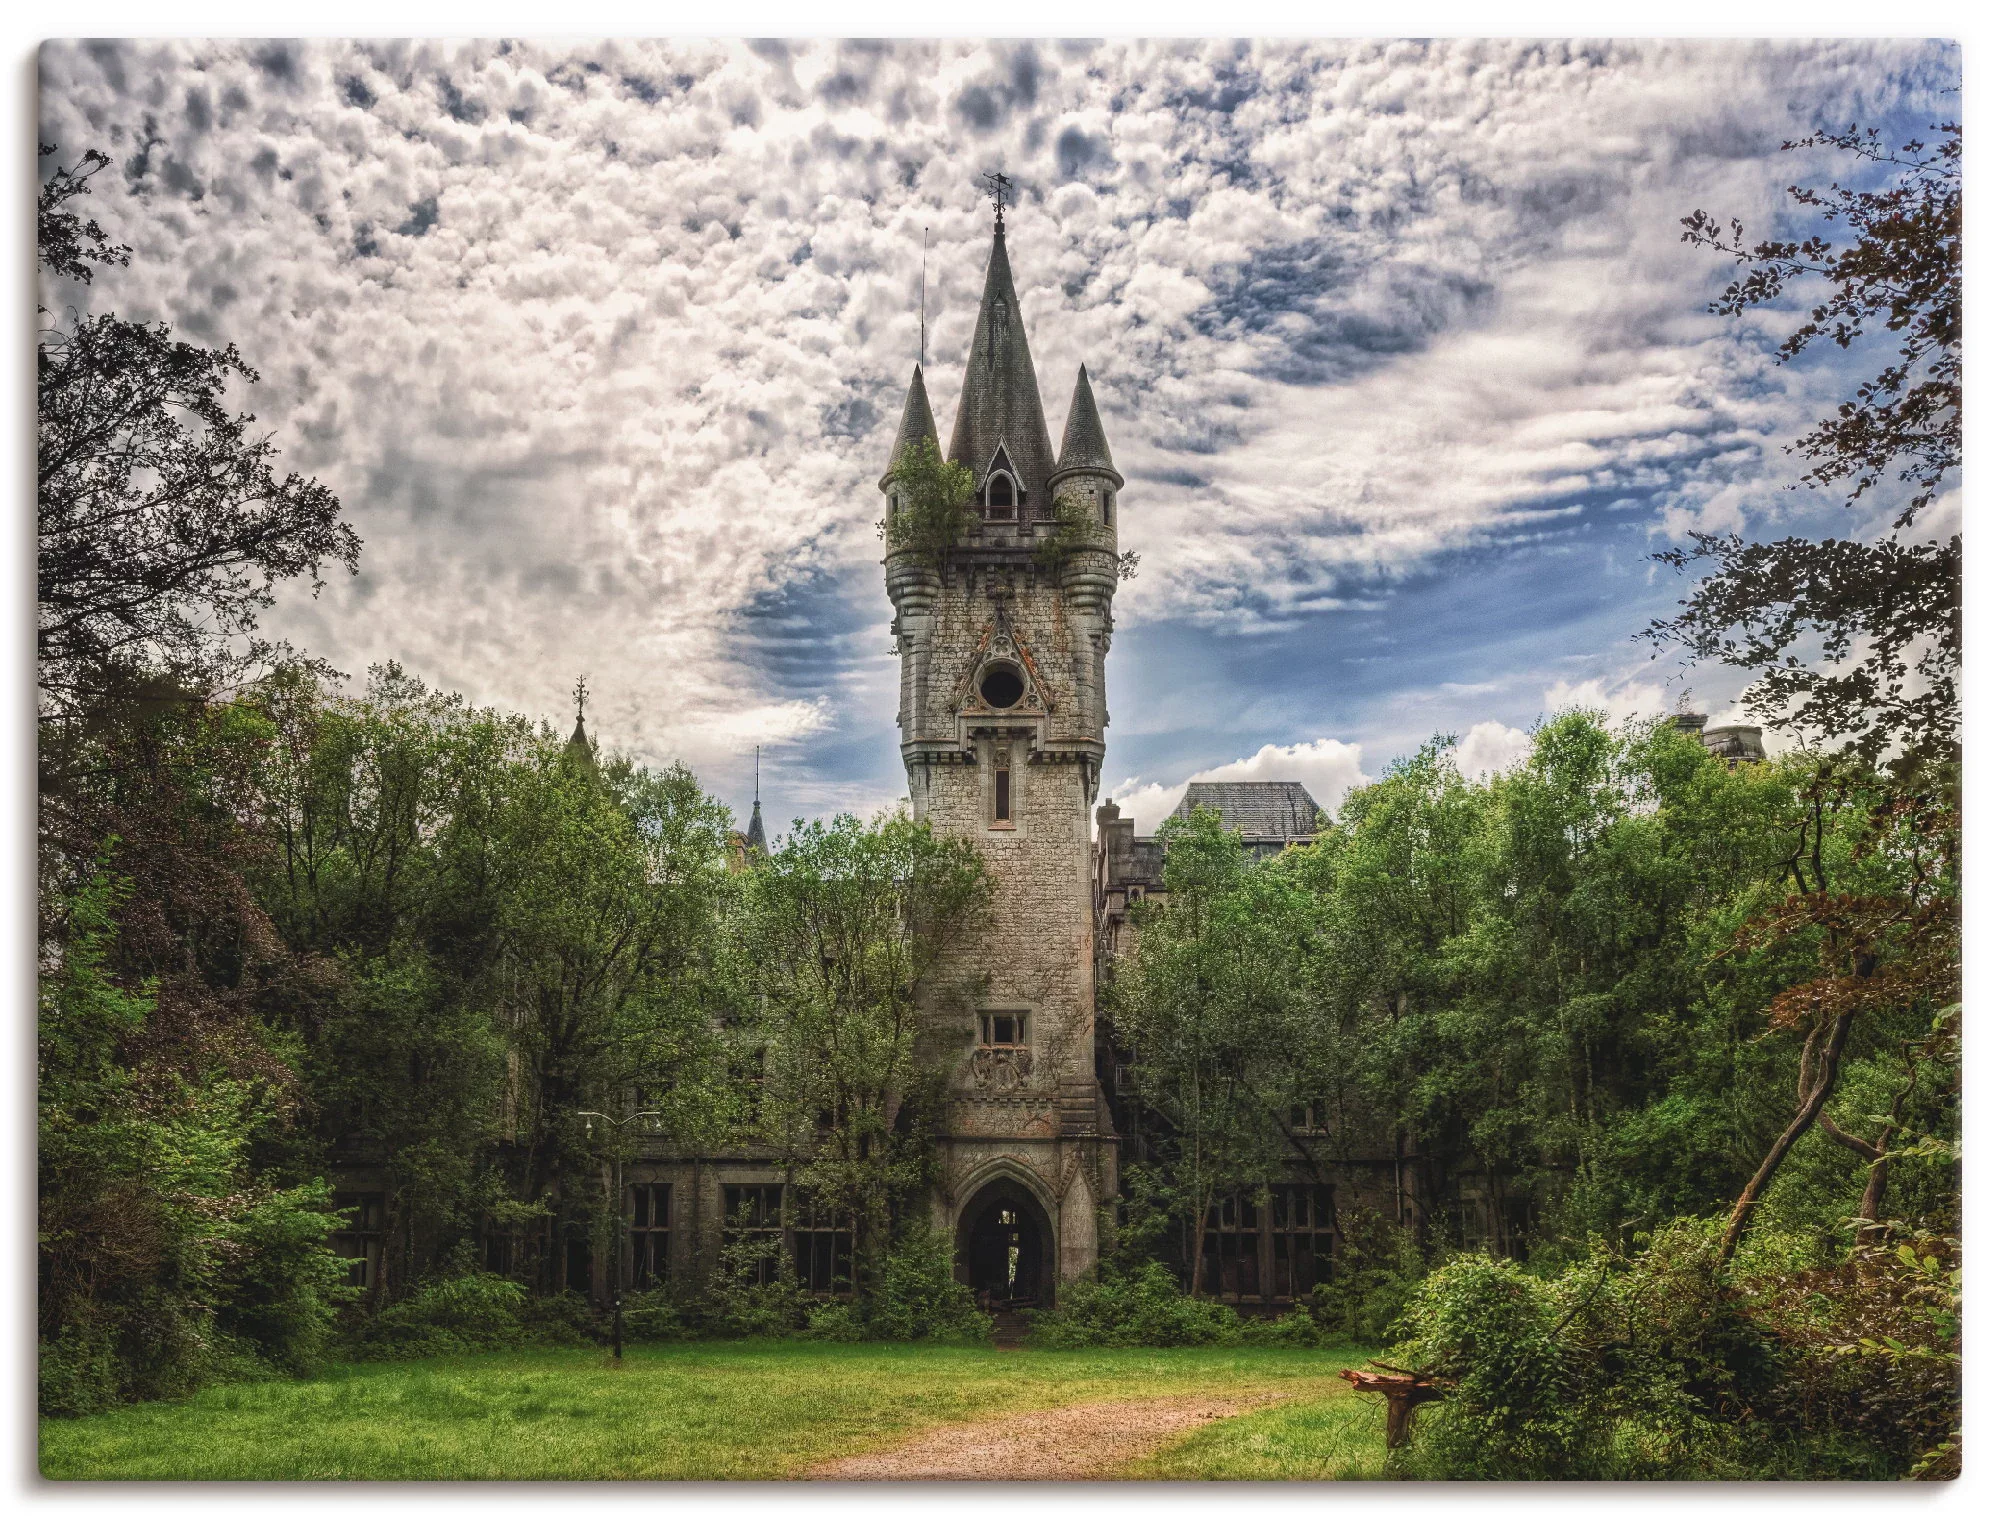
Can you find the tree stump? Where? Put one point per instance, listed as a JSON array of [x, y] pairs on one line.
[[1401, 1390]]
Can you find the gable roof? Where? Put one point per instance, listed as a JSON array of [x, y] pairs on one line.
[[1256, 809]]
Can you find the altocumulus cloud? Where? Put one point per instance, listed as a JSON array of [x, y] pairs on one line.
[[602, 345]]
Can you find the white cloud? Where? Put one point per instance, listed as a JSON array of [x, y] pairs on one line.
[[1326, 767], [1617, 700], [602, 344], [1487, 748], [1147, 803]]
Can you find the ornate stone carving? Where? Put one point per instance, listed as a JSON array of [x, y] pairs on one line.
[[1001, 1070]]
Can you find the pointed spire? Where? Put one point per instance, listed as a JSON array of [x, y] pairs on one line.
[[917, 422], [753, 837], [1001, 403], [1083, 445], [578, 748]]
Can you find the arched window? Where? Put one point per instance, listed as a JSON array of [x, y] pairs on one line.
[[1104, 502], [1003, 487], [1002, 496]]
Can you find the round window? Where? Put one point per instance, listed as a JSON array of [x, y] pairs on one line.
[[1001, 686]]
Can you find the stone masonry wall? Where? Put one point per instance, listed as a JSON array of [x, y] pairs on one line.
[[1038, 951]]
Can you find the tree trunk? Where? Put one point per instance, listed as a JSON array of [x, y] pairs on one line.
[[1877, 1156], [1819, 1065]]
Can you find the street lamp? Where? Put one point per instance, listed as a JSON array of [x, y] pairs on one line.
[[618, 1126]]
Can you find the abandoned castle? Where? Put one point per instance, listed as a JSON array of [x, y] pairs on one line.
[[1002, 717]]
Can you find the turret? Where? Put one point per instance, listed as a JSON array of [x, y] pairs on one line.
[[753, 837], [1087, 479], [1085, 467], [917, 427]]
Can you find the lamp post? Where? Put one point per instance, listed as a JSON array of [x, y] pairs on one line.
[[618, 1126]]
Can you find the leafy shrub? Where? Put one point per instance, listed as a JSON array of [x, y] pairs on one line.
[[279, 1281], [1299, 1328], [1667, 1364], [474, 1310], [1368, 1281], [753, 1292], [658, 1314], [1872, 1350], [841, 1321], [1487, 1330], [79, 1370], [936, 494], [166, 1260], [917, 1297], [1144, 1306]]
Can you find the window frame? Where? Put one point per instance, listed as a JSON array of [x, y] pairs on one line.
[[363, 1236], [989, 1021], [767, 1220], [651, 1241]]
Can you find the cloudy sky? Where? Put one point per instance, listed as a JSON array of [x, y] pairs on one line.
[[602, 347]]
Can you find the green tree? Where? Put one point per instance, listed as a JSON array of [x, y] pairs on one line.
[[1207, 1005], [1888, 609], [853, 938], [162, 527], [931, 501]]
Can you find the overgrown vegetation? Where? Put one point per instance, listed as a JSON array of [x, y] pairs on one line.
[[1077, 530], [931, 501]]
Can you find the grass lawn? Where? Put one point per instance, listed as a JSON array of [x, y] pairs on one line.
[[755, 1410], [1337, 1438]]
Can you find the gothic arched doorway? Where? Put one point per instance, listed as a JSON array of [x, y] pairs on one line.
[[1006, 1249]]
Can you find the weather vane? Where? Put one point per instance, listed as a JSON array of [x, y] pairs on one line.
[[582, 693], [1001, 187]]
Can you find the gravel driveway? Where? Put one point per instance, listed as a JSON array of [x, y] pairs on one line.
[[1041, 1445]]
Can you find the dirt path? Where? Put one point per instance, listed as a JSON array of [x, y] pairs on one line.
[[1041, 1445]]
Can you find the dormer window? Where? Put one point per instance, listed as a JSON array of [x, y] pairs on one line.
[[1002, 496]]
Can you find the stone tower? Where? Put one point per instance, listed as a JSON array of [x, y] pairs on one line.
[[1002, 639]]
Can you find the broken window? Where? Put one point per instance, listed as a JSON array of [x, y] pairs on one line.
[[1001, 685], [576, 1259], [360, 1243], [755, 1215], [823, 1249], [651, 1233], [1229, 1252], [1301, 1238]]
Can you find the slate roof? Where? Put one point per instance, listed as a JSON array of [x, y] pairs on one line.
[[917, 421], [1001, 403], [753, 836], [1083, 444], [1256, 809]]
